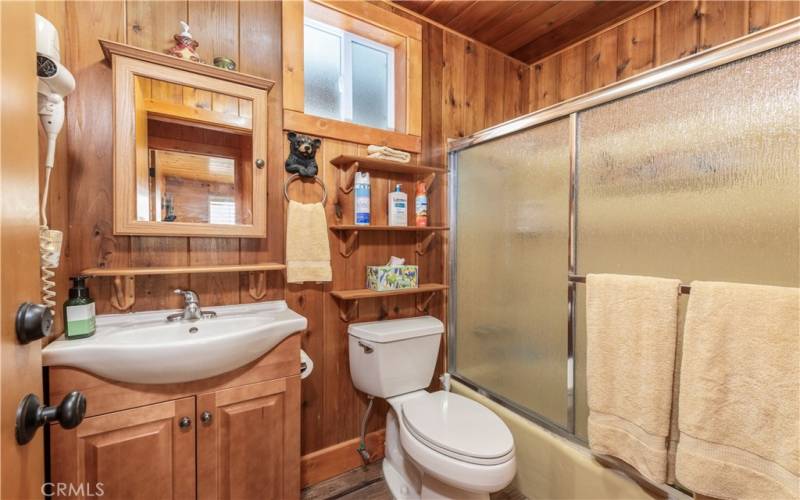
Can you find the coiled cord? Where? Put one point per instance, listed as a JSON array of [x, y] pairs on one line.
[[49, 250]]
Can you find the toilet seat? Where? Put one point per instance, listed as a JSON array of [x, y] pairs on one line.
[[459, 428]]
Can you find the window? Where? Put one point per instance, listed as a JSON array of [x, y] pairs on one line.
[[348, 77]]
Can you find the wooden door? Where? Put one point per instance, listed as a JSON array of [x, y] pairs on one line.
[[250, 448], [21, 467], [144, 453]]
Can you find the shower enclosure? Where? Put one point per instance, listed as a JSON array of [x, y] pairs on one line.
[[690, 171]]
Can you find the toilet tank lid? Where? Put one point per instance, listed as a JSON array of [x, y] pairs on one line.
[[392, 330]]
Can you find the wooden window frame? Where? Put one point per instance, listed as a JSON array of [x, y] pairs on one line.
[[367, 21]]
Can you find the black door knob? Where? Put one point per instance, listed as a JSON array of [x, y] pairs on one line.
[[206, 417], [31, 414], [34, 321], [185, 423]]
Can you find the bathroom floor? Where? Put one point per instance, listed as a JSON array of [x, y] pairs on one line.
[[368, 484]]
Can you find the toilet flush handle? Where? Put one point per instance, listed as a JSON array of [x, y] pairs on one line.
[[367, 349]]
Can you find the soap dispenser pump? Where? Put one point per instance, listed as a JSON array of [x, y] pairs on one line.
[[79, 311]]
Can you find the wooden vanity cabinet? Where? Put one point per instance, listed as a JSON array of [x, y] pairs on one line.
[[235, 436], [246, 441]]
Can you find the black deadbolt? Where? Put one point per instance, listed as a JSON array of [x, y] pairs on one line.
[[34, 321], [31, 414]]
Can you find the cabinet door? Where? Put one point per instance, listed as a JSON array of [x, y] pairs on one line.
[[143, 453], [250, 445]]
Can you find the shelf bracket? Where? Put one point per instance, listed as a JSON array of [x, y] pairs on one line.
[[348, 243], [123, 293], [423, 306], [429, 180], [348, 310], [347, 177], [257, 284], [424, 244]]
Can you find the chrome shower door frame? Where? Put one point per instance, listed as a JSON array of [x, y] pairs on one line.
[[749, 45]]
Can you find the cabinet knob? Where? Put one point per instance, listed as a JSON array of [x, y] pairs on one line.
[[260, 163], [185, 423], [206, 417]]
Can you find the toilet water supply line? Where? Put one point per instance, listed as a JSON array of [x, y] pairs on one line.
[[362, 445]]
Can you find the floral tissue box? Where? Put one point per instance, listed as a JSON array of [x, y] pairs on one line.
[[382, 278]]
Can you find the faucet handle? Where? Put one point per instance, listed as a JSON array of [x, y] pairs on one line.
[[189, 296]]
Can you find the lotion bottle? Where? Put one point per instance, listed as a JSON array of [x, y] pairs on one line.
[[398, 207]]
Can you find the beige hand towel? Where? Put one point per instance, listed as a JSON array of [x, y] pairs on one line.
[[387, 153], [739, 406], [308, 256], [631, 328]]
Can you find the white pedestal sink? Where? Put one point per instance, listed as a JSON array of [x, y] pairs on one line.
[[144, 348]]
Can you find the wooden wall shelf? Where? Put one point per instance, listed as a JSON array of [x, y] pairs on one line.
[[350, 164], [353, 296], [348, 236], [123, 295], [353, 227]]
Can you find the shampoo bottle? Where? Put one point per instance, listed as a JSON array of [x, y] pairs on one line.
[[398, 207], [421, 205], [79, 315], [362, 198]]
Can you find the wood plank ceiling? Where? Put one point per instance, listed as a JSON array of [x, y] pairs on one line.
[[526, 30]]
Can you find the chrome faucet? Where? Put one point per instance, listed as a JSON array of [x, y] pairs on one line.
[[191, 308]]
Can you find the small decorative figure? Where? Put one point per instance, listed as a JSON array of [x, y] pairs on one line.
[[302, 151], [185, 45], [225, 63]]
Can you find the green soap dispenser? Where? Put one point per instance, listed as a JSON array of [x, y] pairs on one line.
[[79, 315]]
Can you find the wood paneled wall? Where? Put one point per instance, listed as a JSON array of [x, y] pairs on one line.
[[466, 87], [671, 31]]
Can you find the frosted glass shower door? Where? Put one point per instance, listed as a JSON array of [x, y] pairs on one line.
[[698, 179], [511, 258]]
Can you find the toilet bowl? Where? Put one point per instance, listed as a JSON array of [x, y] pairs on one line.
[[438, 444]]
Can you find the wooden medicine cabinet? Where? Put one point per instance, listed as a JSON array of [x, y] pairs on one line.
[[190, 147]]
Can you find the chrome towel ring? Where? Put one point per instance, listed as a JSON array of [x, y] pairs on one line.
[[294, 177]]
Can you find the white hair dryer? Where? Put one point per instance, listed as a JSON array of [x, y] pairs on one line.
[[55, 83]]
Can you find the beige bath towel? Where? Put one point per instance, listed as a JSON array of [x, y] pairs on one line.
[[739, 406], [631, 328], [308, 256], [387, 153]]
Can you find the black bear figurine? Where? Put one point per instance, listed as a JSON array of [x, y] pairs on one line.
[[301, 155]]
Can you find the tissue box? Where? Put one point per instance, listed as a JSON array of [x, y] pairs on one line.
[[382, 278]]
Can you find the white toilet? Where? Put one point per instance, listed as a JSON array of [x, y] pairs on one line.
[[439, 444]]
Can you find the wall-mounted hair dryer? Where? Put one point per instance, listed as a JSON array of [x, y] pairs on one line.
[[55, 83]]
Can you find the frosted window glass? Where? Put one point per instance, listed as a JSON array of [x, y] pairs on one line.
[[696, 180], [370, 86], [512, 214], [322, 71]]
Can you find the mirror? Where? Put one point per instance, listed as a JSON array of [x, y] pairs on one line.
[[197, 172], [194, 145]]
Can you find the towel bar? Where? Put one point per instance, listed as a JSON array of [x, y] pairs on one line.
[[294, 177], [576, 278]]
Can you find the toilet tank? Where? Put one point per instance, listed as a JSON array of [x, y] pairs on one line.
[[393, 357]]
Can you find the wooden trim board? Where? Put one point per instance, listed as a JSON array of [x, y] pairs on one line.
[[349, 132], [337, 459], [115, 48]]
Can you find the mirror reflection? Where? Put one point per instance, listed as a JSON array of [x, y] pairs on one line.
[[194, 155]]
